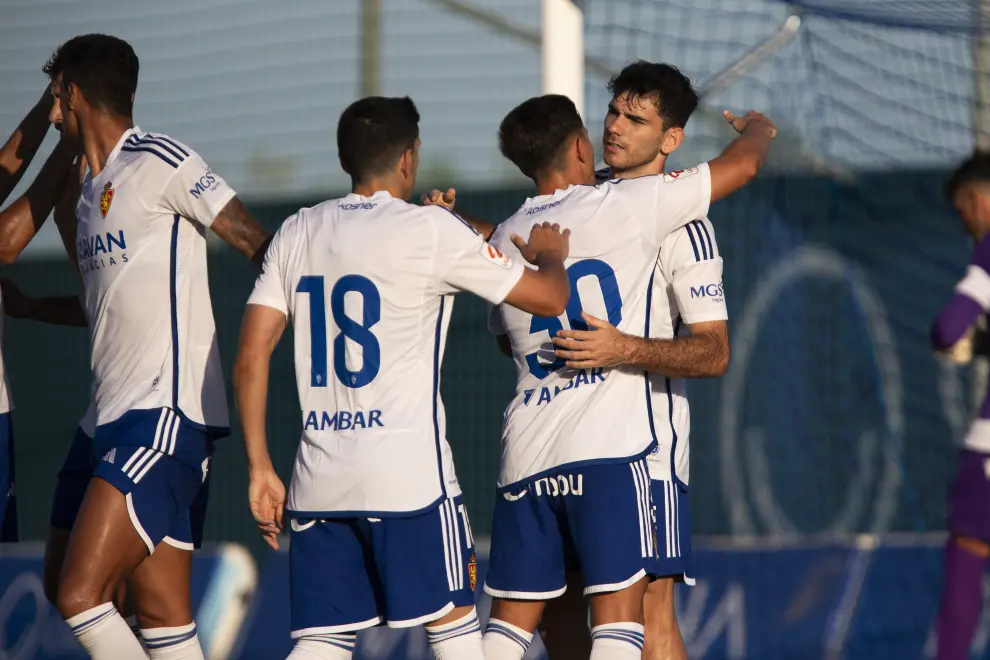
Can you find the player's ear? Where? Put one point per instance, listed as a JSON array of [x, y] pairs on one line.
[[407, 164], [74, 95], [671, 140], [583, 149]]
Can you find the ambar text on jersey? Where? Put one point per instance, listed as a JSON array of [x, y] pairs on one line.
[[583, 377], [342, 420]]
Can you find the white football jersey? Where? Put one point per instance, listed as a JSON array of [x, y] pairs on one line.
[[683, 293], [367, 283], [562, 416], [141, 248], [687, 288]]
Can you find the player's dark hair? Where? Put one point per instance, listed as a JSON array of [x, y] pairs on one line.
[[104, 68], [975, 169], [662, 84], [535, 133], [373, 133]]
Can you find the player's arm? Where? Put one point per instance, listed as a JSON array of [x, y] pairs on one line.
[[469, 263], [544, 291], [23, 144], [64, 214], [264, 322], [971, 299], [743, 158], [239, 229], [448, 200], [703, 354], [198, 194], [693, 266], [57, 310], [20, 221]]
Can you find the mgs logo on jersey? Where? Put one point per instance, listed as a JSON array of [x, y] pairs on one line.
[[207, 183], [491, 253], [106, 198], [712, 291]]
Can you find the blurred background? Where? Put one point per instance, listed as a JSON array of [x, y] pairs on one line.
[[820, 462]]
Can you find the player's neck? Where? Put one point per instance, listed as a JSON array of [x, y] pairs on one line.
[[368, 189], [555, 181], [100, 137], [647, 169]]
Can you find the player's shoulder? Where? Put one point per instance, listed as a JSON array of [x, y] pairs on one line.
[[694, 242], [442, 218], [156, 150]]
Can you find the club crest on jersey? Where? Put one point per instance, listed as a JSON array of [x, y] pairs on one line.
[[105, 199], [473, 570], [491, 253]]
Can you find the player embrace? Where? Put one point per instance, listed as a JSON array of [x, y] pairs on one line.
[[378, 528], [574, 486]]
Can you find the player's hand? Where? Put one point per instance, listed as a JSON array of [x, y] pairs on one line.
[[544, 239], [15, 303], [604, 346], [752, 120], [962, 351], [439, 198], [266, 493]]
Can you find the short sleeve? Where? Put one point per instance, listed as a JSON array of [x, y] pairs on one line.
[[675, 199], [194, 191], [269, 288], [693, 265], [466, 262], [975, 284]]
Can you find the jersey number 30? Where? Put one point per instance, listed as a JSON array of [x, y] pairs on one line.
[[359, 333], [613, 307]]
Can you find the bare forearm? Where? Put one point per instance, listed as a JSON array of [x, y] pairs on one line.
[[22, 145], [238, 228], [697, 356], [251, 392], [24, 217]]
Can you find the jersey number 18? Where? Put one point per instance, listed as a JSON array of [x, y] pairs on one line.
[[360, 333]]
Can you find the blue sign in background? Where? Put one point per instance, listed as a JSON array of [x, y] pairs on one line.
[[856, 600]]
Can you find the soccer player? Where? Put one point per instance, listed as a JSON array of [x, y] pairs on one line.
[[574, 482], [968, 547], [379, 532], [158, 389], [17, 227], [651, 103]]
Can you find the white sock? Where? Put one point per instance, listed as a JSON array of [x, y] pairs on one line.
[[617, 641], [104, 634], [328, 646], [177, 643], [132, 623], [504, 641], [457, 640]]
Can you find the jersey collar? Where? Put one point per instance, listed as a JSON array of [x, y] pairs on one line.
[[120, 144]]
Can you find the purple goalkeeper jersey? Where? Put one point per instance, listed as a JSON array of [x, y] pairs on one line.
[[970, 301]]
